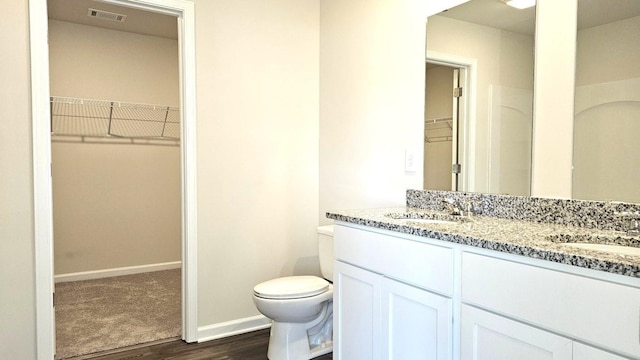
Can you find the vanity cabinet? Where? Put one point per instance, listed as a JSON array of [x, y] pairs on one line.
[[487, 336], [378, 315], [598, 312], [407, 297]]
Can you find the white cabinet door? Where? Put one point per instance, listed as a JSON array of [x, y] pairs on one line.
[[486, 336], [356, 317], [584, 352], [416, 323]]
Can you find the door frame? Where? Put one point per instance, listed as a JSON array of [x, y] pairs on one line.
[[42, 181], [467, 114]]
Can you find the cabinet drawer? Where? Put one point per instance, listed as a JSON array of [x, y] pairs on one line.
[[596, 311], [423, 265]]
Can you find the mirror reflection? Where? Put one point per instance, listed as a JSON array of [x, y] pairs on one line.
[[480, 141], [606, 156]]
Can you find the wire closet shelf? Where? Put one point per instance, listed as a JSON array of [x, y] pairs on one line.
[[97, 121], [438, 129]]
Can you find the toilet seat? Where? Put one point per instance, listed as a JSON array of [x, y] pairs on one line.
[[291, 287]]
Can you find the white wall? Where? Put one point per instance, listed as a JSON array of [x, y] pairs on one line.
[[257, 93], [552, 149], [372, 65], [114, 205], [17, 272], [504, 59], [607, 112], [608, 52]]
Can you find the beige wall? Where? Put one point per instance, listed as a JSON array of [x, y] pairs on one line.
[[95, 63], [257, 93], [114, 205], [17, 282], [504, 59]]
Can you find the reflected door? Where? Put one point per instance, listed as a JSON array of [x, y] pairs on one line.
[[443, 97]]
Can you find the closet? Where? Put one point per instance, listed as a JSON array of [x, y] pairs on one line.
[[115, 149], [116, 175]]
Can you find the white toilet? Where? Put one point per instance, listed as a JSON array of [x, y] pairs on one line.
[[301, 308]]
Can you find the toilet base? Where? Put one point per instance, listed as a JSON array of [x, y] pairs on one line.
[[289, 341]]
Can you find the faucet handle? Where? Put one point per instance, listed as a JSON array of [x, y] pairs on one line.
[[471, 207], [631, 221]]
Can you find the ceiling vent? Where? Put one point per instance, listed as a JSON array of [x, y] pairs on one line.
[[106, 15]]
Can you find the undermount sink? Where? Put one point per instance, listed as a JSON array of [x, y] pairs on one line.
[[427, 218], [430, 221], [611, 244], [618, 249]]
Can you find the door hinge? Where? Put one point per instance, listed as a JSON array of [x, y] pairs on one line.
[[457, 92], [53, 295], [456, 168]]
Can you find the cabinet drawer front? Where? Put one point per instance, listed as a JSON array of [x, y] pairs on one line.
[[423, 265], [596, 311], [487, 336]]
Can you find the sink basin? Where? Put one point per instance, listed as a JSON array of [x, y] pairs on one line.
[[430, 221], [612, 244], [618, 249], [427, 217]]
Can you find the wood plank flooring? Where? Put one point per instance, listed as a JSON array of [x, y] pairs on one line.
[[250, 346]]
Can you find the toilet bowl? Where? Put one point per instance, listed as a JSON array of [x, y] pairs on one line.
[[300, 309]]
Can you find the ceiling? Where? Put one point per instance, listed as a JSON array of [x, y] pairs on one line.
[[495, 13], [137, 21]]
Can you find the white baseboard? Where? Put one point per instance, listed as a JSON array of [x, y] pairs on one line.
[[235, 327], [105, 273]]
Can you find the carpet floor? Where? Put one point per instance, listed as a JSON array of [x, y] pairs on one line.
[[116, 312]]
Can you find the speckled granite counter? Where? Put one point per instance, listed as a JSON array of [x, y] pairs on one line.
[[537, 228]]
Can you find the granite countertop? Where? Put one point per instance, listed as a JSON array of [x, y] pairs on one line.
[[546, 241]]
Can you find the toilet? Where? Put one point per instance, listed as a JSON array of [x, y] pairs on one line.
[[300, 308]]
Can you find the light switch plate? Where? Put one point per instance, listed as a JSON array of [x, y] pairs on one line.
[[410, 163]]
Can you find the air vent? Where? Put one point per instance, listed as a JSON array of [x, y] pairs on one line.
[[106, 15]]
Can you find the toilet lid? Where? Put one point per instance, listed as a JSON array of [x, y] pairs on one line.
[[291, 287]]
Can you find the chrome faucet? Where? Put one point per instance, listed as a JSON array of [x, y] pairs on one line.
[[631, 221], [451, 206]]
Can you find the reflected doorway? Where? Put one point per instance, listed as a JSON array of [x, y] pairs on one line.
[[443, 97]]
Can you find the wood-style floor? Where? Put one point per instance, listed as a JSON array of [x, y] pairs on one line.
[[250, 346]]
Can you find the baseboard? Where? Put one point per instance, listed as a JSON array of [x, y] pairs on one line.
[[235, 327], [105, 273]]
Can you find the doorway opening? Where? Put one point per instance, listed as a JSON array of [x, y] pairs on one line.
[[450, 106], [115, 131], [183, 11], [441, 127]]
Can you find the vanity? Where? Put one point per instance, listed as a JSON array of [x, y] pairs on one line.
[[518, 279]]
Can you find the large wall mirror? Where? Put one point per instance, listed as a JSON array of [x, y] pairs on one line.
[[488, 130], [606, 156]]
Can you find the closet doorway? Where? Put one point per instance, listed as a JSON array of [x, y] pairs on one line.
[[449, 122], [183, 17], [443, 112]]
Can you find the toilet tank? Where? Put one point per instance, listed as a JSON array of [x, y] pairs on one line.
[[325, 251]]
